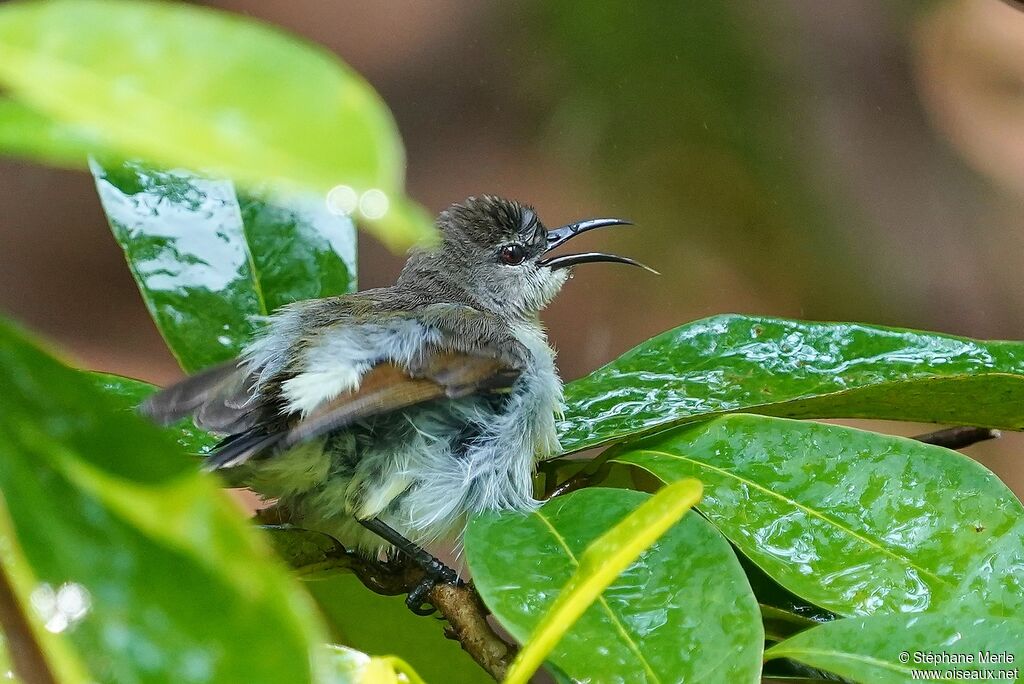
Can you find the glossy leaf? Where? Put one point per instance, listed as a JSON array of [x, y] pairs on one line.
[[684, 610], [795, 369], [119, 546], [129, 393], [599, 565], [186, 86], [782, 612], [885, 649], [208, 263], [855, 522]]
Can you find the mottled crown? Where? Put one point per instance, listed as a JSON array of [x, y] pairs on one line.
[[487, 221]]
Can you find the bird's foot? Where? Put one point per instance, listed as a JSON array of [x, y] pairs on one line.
[[435, 572]]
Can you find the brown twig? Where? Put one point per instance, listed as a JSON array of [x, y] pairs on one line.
[[467, 623], [958, 437], [460, 605]]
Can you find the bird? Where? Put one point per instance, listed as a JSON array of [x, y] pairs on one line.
[[386, 417]]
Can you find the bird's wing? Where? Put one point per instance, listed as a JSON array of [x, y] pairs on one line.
[[237, 395], [323, 365], [385, 388], [218, 399]]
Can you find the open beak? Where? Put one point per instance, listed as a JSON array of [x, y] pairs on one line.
[[560, 236]]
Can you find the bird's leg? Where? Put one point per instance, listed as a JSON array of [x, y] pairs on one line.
[[435, 570]]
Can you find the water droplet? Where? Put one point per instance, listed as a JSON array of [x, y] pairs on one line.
[[342, 200], [62, 608], [373, 204]]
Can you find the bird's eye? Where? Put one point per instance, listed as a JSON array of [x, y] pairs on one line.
[[512, 255]]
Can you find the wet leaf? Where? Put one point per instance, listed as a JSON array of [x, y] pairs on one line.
[[868, 649], [795, 369], [599, 565], [855, 522], [207, 263], [186, 86], [782, 612], [133, 562], [129, 393], [684, 610]]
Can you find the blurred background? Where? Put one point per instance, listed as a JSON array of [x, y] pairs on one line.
[[850, 160]]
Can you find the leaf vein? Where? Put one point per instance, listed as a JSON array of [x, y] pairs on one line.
[[620, 628]]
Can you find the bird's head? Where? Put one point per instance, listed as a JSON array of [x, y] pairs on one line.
[[497, 251]]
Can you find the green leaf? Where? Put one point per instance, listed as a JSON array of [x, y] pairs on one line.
[[26, 133], [782, 612], [795, 369], [208, 264], [132, 565], [684, 610], [129, 393], [186, 86], [884, 649], [855, 522], [599, 565], [353, 666]]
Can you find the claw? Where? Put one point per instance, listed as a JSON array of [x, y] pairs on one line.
[[416, 600], [435, 572]]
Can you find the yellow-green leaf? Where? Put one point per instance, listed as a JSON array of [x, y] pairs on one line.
[[186, 86], [599, 565], [349, 665]]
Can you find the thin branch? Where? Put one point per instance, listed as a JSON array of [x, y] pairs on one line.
[[467, 623], [460, 605], [958, 437]]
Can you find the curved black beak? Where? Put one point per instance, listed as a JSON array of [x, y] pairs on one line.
[[560, 236]]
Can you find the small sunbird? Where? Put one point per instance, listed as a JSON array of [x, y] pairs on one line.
[[386, 417]]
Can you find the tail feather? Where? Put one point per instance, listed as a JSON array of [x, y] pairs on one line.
[[219, 399], [239, 448]]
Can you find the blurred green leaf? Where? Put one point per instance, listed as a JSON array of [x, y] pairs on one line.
[[308, 552], [131, 393], [352, 666], [598, 566], [795, 369], [208, 264], [119, 546], [26, 133], [187, 86], [855, 522], [684, 610], [868, 649], [383, 624]]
